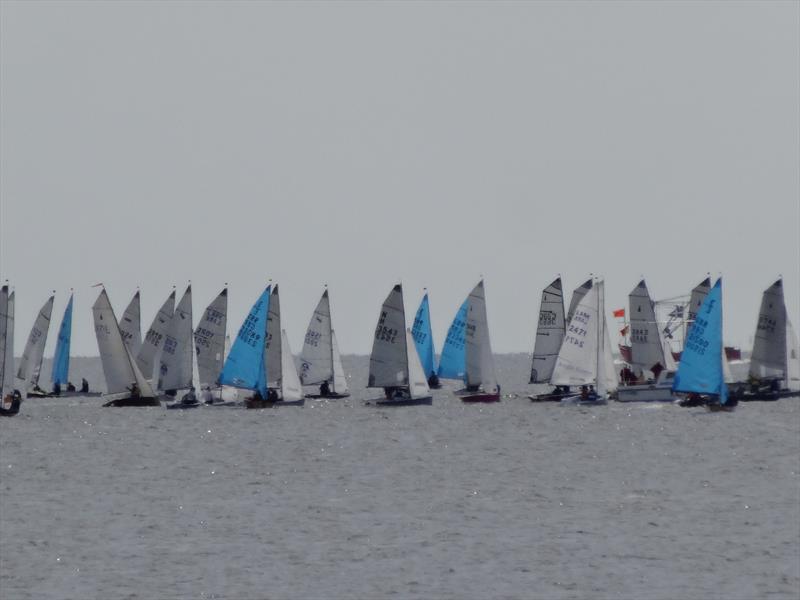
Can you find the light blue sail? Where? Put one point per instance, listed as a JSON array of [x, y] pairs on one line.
[[423, 337], [244, 366], [452, 364], [61, 359], [700, 369]]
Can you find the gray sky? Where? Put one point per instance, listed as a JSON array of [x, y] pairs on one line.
[[361, 143]]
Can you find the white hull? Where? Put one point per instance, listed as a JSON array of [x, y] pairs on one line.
[[653, 392]]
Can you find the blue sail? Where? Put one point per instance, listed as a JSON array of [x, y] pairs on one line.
[[61, 359], [423, 337], [452, 364], [700, 369], [244, 366]]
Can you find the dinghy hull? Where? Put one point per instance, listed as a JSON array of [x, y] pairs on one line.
[[124, 402], [327, 396], [473, 397], [425, 401]]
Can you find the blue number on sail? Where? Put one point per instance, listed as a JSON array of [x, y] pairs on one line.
[[244, 366], [700, 369], [452, 364], [61, 358], [423, 338]]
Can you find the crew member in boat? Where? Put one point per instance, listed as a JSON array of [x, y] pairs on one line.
[[205, 395], [56, 389], [433, 381], [324, 389], [71, 386], [189, 397], [272, 395], [84, 385], [584, 392], [134, 390]]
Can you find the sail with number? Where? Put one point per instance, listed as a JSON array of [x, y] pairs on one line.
[[30, 364], [147, 359], [60, 374], [696, 299], [131, 327], [316, 359], [768, 359], [6, 342], [423, 337], [452, 362], [175, 364], [701, 369], [577, 296], [119, 368], [647, 351], [549, 332], [480, 369], [388, 362], [244, 365], [291, 388], [209, 339], [577, 359], [417, 379]]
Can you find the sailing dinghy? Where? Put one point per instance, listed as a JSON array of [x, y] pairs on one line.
[[452, 362], [320, 362], [549, 336], [148, 355], [423, 338], [125, 383], [585, 357], [701, 370], [480, 376], [210, 347], [30, 365], [176, 363], [7, 391], [394, 363]]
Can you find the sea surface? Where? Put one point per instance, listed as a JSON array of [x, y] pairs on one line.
[[341, 500]]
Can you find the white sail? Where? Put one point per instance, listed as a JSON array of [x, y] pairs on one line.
[[316, 359], [549, 333], [6, 342], [175, 370], [646, 346], [417, 381], [577, 296], [147, 357], [339, 379], [792, 358], [30, 364], [291, 389], [272, 341], [727, 375], [210, 338], [577, 360], [768, 358], [669, 361], [388, 363], [131, 325], [610, 383], [478, 350], [119, 368]]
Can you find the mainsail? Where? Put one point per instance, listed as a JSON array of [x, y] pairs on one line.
[[388, 363], [768, 359], [244, 365], [479, 362], [701, 369], [272, 343], [696, 299], [647, 351], [148, 353], [316, 359], [175, 368], [549, 333], [209, 339], [120, 369], [452, 363], [60, 373], [339, 379], [577, 296], [6, 342], [417, 378], [31, 363], [423, 337], [577, 360], [291, 388], [130, 325]]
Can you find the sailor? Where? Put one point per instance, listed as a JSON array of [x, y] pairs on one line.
[[272, 395], [189, 397], [134, 389], [205, 395], [433, 381], [56, 389], [71, 387], [324, 389], [84, 385], [584, 393]]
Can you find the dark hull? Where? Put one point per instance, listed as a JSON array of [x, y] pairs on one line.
[[767, 396], [124, 402], [426, 401], [77, 395], [12, 410], [181, 406], [551, 397], [328, 397], [479, 397]]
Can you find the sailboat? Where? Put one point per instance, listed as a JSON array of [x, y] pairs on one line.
[[278, 363], [147, 357], [176, 358], [452, 362], [320, 361], [423, 338], [394, 363], [479, 376], [209, 343], [62, 387], [130, 325], [701, 371], [549, 336], [651, 361], [773, 362], [244, 364], [585, 357], [7, 391], [125, 383], [30, 365]]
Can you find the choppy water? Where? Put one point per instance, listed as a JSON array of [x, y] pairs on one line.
[[339, 500]]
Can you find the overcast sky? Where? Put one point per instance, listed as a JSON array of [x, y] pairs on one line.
[[358, 144]]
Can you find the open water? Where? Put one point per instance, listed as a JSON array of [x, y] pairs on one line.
[[340, 500]]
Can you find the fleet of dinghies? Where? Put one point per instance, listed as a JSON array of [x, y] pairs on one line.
[[572, 352]]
